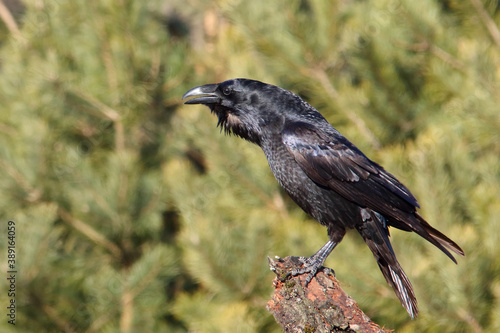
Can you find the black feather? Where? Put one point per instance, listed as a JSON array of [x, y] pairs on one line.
[[324, 173]]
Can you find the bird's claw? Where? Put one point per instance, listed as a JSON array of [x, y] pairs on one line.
[[310, 265]]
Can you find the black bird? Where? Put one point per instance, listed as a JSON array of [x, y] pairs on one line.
[[324, 173]]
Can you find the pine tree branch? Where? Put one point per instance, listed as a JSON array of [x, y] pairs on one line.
[[90, 232], [322, 77], [426, 46], [322, 306], [33, 193], [127, 311], [53, 314], [108, 113], [447, 58], [487, 21], [8, 19], [105, 111]]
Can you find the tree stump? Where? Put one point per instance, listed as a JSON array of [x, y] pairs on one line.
[[322, 306]]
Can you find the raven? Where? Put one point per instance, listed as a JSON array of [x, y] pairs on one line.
[[324, 173]]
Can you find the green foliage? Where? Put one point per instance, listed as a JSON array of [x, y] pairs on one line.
[[134, 213], [83, 125]]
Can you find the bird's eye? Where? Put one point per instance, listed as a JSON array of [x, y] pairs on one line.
[[227, 91]]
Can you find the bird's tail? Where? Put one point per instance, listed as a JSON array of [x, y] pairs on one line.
[[376, 235], [438, 239]]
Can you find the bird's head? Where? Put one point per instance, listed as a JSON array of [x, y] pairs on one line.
[[247, 108]]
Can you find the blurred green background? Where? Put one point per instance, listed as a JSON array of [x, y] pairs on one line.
[[134, 214]]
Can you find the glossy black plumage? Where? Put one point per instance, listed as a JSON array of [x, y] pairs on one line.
[[324, 173]]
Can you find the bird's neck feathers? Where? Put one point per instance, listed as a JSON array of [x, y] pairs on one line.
[[232, 124]]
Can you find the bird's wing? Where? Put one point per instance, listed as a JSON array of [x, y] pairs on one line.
[[332, 161]]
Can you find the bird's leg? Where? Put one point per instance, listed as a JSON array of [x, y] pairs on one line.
[[313, 263]]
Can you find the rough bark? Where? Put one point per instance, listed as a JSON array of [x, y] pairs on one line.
[[322, 306]]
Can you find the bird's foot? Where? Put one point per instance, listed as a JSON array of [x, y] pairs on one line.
[[310, 265], [314, 263]]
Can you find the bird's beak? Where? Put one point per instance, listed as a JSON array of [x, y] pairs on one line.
[[206, 95]]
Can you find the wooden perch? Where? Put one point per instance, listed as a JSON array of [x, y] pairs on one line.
[[322, 306]]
